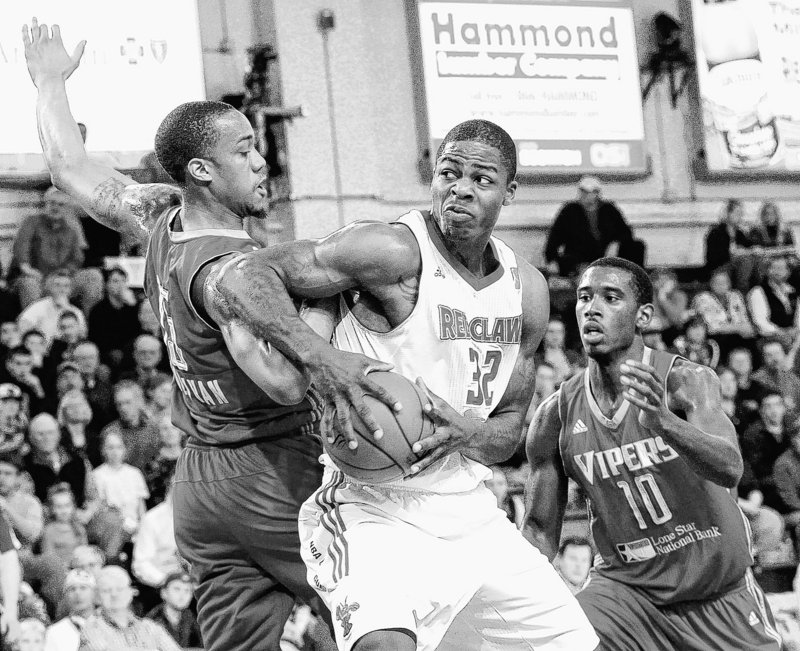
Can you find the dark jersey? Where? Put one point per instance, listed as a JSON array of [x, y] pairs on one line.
[[657, 525], [214, 401]]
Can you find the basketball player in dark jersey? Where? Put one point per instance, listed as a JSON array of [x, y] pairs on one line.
[[251, 459], [643, 433]]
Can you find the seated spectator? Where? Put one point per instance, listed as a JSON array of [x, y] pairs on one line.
[[96, 381], [32, 605], [63, 533], [160, 470], [68, 378], [77, 435], [728, 392], [19, 372], [588, 229], [573, 562], [138, 432], [727, 241], [79, 593], [119, 484], [9, 337], [740, 361], [88, 558], [160, 405], [146, 357], [43, 314], [174, 614], [114, 322], [150, 325], [773, 376], [724, 312], [786, 475], [770, 232], [68, 335], [545, 386], [45, 243], [12, 422], [115, 626], [670, 306], [554, 351], [773, 303], [36, 344], [31, 635], [762, 443], [155, 552], [696, 346]]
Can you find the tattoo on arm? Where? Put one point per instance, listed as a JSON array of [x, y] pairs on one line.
[[106, 201], [126, 208]]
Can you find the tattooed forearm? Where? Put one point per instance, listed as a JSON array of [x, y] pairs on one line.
[[106, 202]]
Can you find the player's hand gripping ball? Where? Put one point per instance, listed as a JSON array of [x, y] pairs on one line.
[[390, 457]]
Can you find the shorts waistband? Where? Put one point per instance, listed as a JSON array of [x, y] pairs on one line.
[[307, 429]]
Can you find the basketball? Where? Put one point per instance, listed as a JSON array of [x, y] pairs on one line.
[[389, 458]]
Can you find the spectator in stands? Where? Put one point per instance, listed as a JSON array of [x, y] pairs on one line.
[[160, 470], [31, 604], [770, 232], [119, 484], [728, 391], [43, 314], [545, 386], [64, 533], [9, 304], [155, 552], [696, 345], [34, 340], [79, 593], [511, 504], [46, 243], [96, 380], [19, 372], [724, 312], [573, 562], [588, 229], [138, 432], [61, 349], [9, 336], [12, 421], [160, 404], [31, 635], [148, 321], [774, 376], [174, 614], [10, 579], [146, 357], [727, 241], [77, 434], [786, 475], [553, 350], [762, 443], [773, 303], [88, 558], [740, 361], [670, 304], [115, 626], [114, 321]]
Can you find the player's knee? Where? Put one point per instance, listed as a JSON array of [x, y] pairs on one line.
[[399, 639]]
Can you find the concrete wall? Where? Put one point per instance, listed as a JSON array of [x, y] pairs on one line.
[[372, 108]]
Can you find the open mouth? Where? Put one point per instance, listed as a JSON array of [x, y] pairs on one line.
[[457, 210], [592, 331]]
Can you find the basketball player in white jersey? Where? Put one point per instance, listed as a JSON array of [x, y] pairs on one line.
[[429, 561]]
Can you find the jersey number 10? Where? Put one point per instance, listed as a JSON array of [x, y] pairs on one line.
[[652, 499]]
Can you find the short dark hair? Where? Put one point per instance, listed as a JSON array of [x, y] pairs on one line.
[[487, 133], [189, 131], [67, 314], [642, 285], [17, 350], [574, 541], [61, 488], [111, 271]]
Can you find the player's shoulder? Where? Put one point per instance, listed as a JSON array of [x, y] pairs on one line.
[[390, 244]]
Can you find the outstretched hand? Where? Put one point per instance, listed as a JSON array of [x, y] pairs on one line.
[[341, 379], [46, 55], [452, 431]]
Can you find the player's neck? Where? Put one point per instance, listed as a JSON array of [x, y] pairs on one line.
[[201, 210], [605, 375]]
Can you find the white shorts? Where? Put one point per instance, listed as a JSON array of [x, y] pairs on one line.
[[450, 568]]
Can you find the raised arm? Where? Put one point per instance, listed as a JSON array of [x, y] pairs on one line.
[[546, 489], [706, 439], [256, 287], [496, 439], [110, 197]]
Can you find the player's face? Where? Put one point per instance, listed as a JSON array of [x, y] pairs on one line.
[[238, 171], [470, 185], [575, 563], [607, 310]]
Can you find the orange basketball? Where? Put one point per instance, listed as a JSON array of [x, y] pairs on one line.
[[389, 458]]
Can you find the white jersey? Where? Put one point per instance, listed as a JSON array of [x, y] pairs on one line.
[[462, 338]]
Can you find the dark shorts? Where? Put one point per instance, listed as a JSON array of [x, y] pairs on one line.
[[625, 620], [236, 523]]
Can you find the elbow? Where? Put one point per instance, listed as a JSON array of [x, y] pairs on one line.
[[731, 474]]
